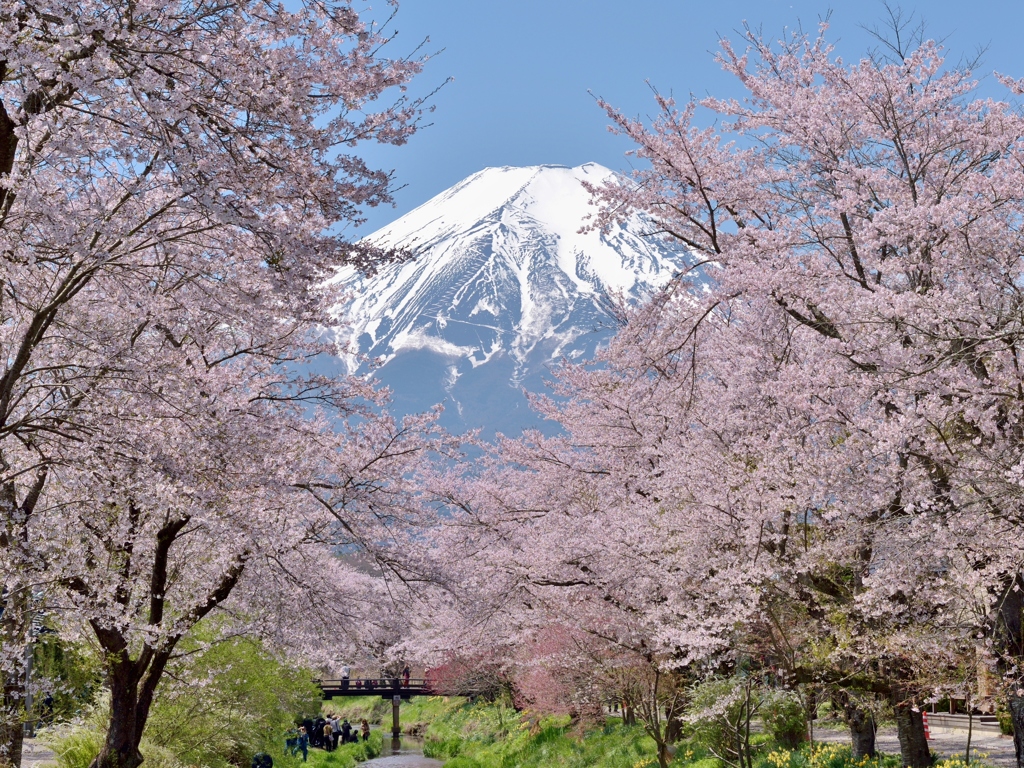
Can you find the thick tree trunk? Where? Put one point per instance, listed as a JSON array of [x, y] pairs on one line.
[[1017, 715], [628, 715], [910, 729], [664, 755], [862, 730], [121, 748]]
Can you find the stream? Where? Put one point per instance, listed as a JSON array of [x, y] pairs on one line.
[[406, 752]]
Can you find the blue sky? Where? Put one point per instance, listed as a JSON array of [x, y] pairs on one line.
[[522, 70]]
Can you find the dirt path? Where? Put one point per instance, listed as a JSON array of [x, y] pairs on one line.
[[35, 755], [993, 749]]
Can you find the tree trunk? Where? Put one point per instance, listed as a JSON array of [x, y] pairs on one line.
[[1017, 716], [673, 723], [862, 730], [664, 755], [913, 745], [13, 636], [628, 715], [121, 748], [12, 735]]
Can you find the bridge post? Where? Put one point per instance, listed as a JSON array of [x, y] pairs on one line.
[[396, 702]]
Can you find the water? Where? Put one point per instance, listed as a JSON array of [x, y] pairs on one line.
[[406, 752]]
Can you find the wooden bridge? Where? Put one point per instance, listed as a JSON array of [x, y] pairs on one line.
[[395, 688], [386, 688]]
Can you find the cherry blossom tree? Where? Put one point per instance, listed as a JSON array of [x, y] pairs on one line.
[[159, 520], [173, 177], [806, 450], [863, 226]]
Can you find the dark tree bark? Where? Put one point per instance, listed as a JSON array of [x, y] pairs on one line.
[[131, 695], [15, 619], [1009, 635], [862, 730], [628, 715], [121, 748], [13, 626], [1017, 716], [673, 721], [913, 745], [1010, 608]]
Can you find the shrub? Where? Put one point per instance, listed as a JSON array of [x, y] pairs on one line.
[[76, 748], [1005, 722], [784, 719], [719, 714]]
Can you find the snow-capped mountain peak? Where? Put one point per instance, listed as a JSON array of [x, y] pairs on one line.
[[503, 279]]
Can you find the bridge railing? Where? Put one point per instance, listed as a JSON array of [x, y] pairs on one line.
[[372, 686]]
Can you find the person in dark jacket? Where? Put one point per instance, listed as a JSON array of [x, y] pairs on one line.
[[346, 732], [316, 736]]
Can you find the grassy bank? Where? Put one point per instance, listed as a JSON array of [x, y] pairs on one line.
[[345, 756], [479, 737], [416, 715], [467, 735]]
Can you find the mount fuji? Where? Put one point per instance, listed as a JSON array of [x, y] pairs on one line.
[[503, 288]]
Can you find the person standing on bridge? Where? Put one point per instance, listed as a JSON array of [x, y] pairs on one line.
[[346, 670], [406, 672]]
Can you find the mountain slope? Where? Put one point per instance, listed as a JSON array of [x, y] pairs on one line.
[[503, 286]]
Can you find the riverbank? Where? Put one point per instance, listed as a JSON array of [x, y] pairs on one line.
[[465, 735], [493, 735]]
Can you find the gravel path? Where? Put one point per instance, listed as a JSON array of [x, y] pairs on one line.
[[35, 755], [993, 749]]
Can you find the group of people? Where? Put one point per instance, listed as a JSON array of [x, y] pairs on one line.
[[335, 732], [324, 733]]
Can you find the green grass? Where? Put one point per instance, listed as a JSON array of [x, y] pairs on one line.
[[414, 715], [485, 735], [356, 708], [496, 736], [346, 755]]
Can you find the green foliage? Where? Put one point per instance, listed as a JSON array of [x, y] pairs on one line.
[[76, 748], [719, 714], [465, 736], [373, 709], [67, 671], [824, 756], [221, 706], [784, 719], [217, 707], [1005, 722]]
